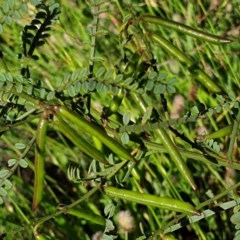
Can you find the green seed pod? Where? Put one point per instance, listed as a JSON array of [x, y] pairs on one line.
[[96, 131], [39, 165], [81, 143], [151, 200], [225, 131], [186, 30], [201, 76]]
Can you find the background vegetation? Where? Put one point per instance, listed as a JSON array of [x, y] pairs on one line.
[[104, 62]]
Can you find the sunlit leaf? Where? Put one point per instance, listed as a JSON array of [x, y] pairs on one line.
[[119, 78], [3, 173], [2, 77], [195, 110], [159, 88], [3, 192], [30, 90], [109, 225], [85, 86], [11, 162], [8, 20], [71, 91], [149, 85], [171, 81], [125, 138], [77, 87], [92, 85], [161, 76], [19, 88], [5, 7], [235, 218], [108, 74], [83, 73], [171, 89], [126, 118], [42, 93], [74, 75], [20, 146], [9, 77], [7, 184], [128, 81], [23, 163], [66, 77], [100, 72], [152, 75], [50, 95]]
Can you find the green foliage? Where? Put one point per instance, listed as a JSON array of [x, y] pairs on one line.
[[106, 78]]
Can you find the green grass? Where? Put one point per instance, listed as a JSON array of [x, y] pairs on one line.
[[73, 208]]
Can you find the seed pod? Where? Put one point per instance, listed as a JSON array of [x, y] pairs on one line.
[[151, 200], [203, 78], [219, 133], [96, 131], [186, 30], [82, 144], [39, 165]]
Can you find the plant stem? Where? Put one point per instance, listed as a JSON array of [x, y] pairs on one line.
[[65, 208]]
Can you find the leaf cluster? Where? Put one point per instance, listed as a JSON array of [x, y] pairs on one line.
[[34, 35]]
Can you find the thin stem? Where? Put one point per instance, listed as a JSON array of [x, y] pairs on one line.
[[93, 37], [65, 208]]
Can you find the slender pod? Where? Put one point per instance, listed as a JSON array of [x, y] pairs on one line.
[[176, 157], [186, 30], [203, 78], [219, 133], [39, 165], [151, 200], [206, 81], [170, 147], [233, 137], [170, 48], [96, 131], [82, 144]]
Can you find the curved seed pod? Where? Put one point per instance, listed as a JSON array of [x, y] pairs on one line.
[[96, 131], [174, 51], [186, 30], [82, 144], [170, 48], [169, 146], [219, 133], [39, 166], [206, 81], [151, 200], [177, 158]]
